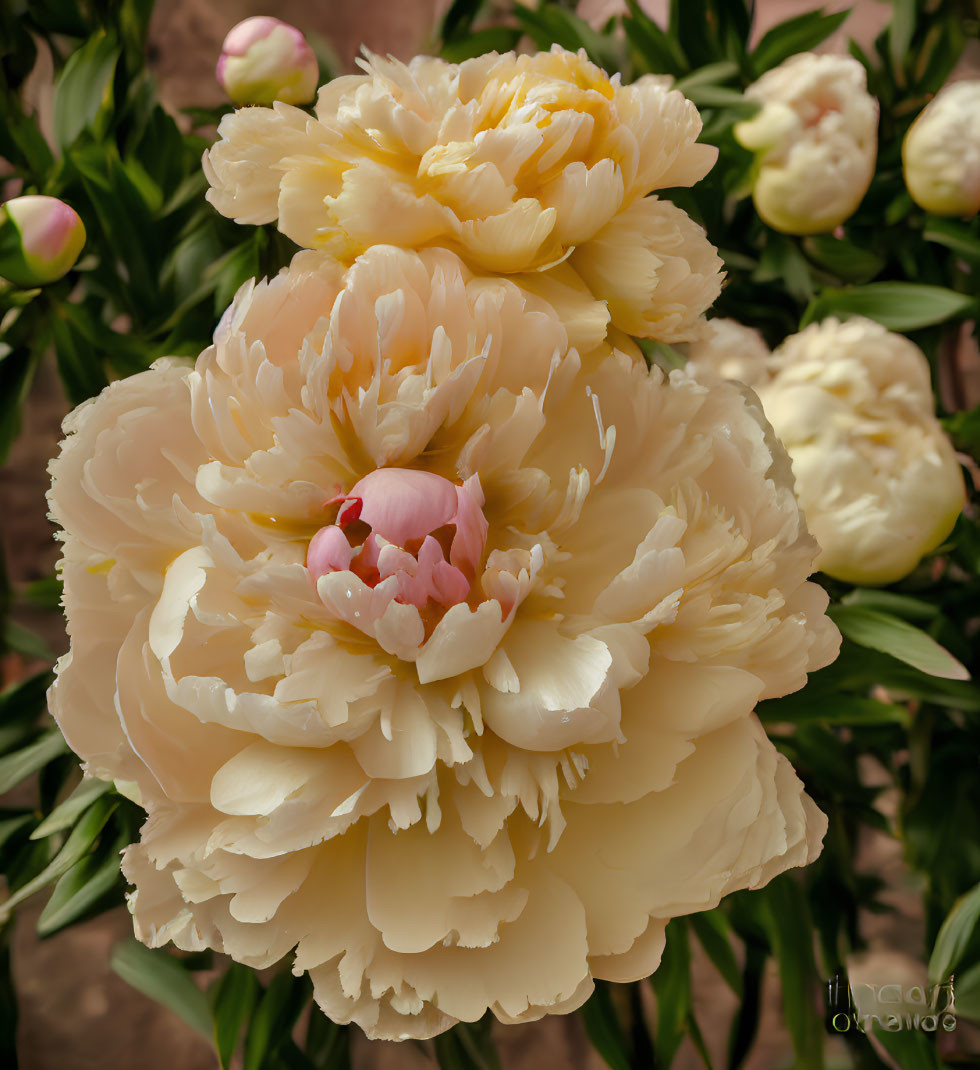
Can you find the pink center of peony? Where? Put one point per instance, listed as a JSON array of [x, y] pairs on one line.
[[416, 526]]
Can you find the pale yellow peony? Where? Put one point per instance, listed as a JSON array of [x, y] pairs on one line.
[[515, 162], [815, 139], [875, 473], [941, 152], [429, 635]]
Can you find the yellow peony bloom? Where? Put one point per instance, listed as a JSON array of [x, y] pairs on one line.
[[875, 473], [431, 644], [941, 152], [815, 139], [514, 162]]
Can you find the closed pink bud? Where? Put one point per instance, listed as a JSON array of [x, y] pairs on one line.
[[40, 239], [264, 59]]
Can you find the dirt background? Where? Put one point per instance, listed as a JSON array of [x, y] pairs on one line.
[[76, 1014]]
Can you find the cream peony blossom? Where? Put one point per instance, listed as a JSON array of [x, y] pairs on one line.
[[815, 140], [430, 641], [730, 350], [514, 162], [875, 473], [941, 152]]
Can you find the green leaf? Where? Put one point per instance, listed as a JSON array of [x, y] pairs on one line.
[[660, 51], [791, 931], [65, 815], [327, 1044], [712, 74], [604, 1029], [467, 1046], [18, 766], [899, 639], [162, 978], [964, 429], [24, 641], [800, 34], [233, 998], [899, 605], [720, 96], [968, 993], [78, 844], [849, 262], [961, 238], [80, 889], [840, 708], [274, 1019], [711, 928], [459, 19], [909, 1049], [672, 985], [492, 39], [16, 372], [954, 936], [899, 306], [84, 88], [745, 1024], [900, 32], [45, 594]]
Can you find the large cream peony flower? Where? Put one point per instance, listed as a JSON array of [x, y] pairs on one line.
[[941, 152], [514, 162], [875, 473], [815, 139], [429, 636]]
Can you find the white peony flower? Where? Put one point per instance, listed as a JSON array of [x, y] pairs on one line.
[[431, 643], [730, 350], [875, 473], [512, 161], [941, 152], [815, 140]]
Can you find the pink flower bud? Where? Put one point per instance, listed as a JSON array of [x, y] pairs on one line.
[[264, 59], [40, 239]]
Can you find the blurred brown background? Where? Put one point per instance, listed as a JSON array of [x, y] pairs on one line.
[[76, 1014]]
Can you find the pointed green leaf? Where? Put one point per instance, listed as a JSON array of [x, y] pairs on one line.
[[954, 936], [20, 764], [78, 844], [799, 34], [712, 931], [65, 814], [899, 306], [274, 1018], [899, 639], [791, 931], [84, 87], [233, 998], [81, 888], [162, 978], [604, 1029]]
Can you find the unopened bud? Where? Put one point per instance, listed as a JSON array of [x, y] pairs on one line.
[[941, 152], [264, 59], [40, 239], [815, 140]]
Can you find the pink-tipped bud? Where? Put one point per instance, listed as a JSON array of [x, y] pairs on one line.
[[40, 239], [264, 59]]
